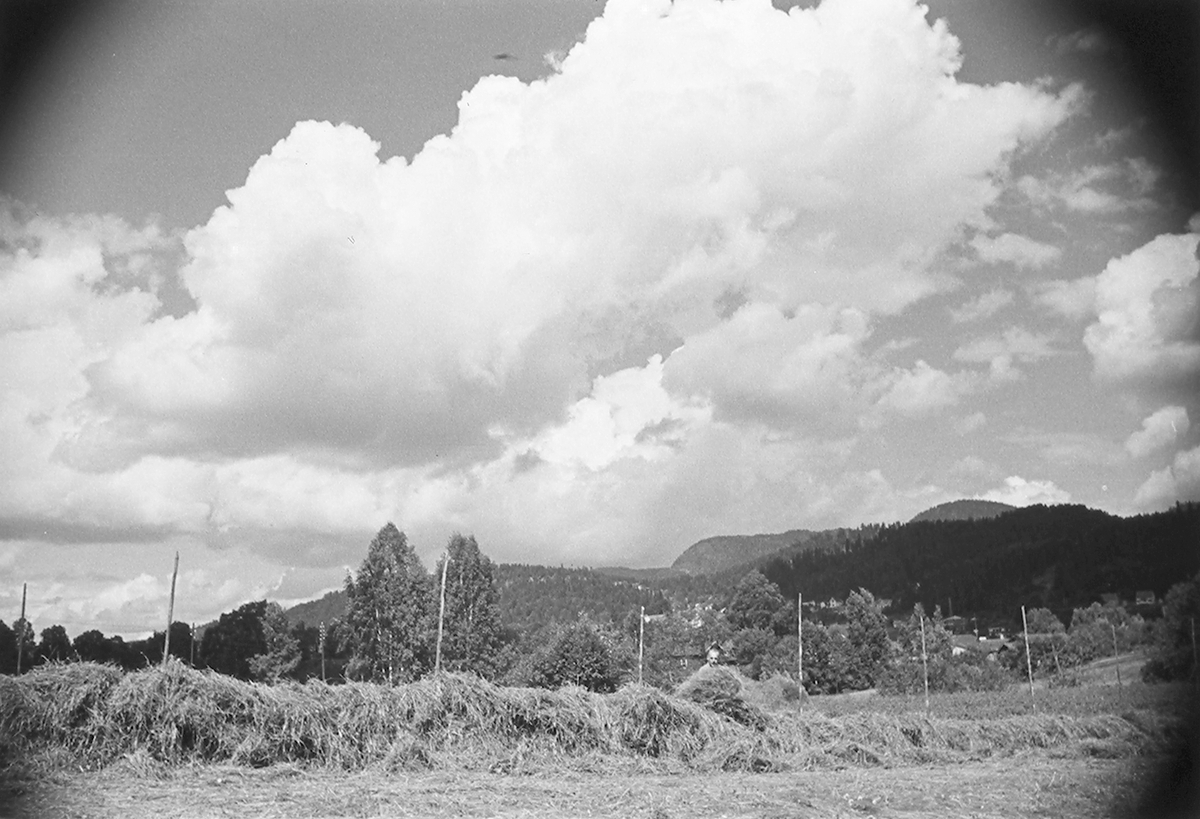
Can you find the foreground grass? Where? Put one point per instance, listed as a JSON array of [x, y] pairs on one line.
[[1020, 786], [89, 716]]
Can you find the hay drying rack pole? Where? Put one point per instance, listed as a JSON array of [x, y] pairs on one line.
[[170, 613], [641, 642], [25, 625], [437, 662], [800, 647], [1028, 663]]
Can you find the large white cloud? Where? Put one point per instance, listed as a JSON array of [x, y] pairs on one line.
[[1179, 481], [461, 340], [1147, 304], [1159, 430]]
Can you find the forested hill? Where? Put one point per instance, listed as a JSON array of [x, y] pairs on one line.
[[1059, 557], [964, 510]]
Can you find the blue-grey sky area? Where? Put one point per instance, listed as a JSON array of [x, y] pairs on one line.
[[588, 281]]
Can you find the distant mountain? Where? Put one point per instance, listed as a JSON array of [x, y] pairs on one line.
[[964, 510], [717, 554]]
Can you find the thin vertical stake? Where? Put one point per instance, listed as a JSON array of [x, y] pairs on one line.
[[25, 625], [1028, 662], [192, 653], [641, 642], [322, 651], [170, 612], [800, 645], [437, 663]]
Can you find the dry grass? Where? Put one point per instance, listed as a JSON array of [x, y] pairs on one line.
[[1011, 788], [93, 716]]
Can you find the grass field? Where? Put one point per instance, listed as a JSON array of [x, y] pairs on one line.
[[88, 740], [1015, 788]]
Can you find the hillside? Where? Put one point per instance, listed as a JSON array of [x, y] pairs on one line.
[[1060, 557], [964, 510], [715, 554]]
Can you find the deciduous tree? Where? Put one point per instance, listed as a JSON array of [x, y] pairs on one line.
[[473, 635], [389, 611]]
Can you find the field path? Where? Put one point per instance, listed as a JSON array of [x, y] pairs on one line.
[[1026, 786]]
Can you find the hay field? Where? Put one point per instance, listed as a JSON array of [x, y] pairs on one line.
[[145, 740]]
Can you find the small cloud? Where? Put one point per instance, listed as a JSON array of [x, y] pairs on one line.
[[1015, 249], [1019, 492], [969, 423], [1073, 298], [1003, 352], [986, 305], [1158, 431], [1114, 188], [1090, 40]]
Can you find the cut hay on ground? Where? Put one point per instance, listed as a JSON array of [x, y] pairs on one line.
[[98, 715]]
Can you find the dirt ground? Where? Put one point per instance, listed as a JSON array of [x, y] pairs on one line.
[[1021, 786]]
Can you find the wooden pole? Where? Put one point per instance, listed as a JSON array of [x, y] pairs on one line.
[[437, 663], [24, 625], [322, 651], [1028, 662], [170, 612], [925, 664], [800, 644], [641, 642], [192, 653]]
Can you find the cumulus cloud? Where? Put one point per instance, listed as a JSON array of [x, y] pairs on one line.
[[1178, 482], [1147, 304], [1020, 492], [721, 189], [1158, 431], [1020, 251]]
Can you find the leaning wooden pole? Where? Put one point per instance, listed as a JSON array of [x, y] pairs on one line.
[[437, 662], [1028, 662], [322, 651], [24, 625], [170, 612]]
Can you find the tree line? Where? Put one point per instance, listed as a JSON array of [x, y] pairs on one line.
[[398, 625]]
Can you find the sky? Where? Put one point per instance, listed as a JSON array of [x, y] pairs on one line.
[[588, 281]]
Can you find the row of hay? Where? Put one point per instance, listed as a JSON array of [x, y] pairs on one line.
[[177, 714]]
